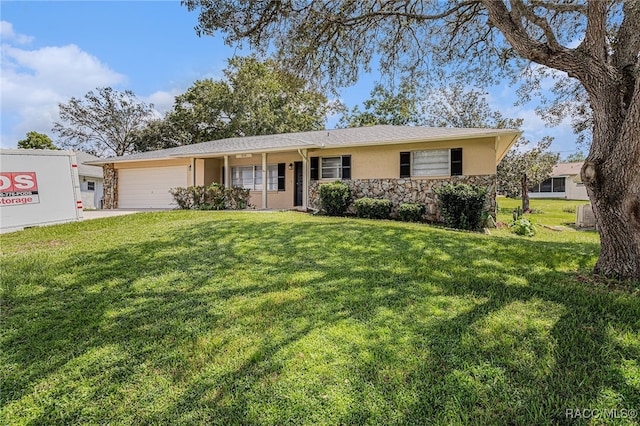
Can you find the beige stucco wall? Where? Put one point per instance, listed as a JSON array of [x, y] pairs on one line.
[[383, 161], [371, 162], [574, 191], [208, 171], [275, 199]]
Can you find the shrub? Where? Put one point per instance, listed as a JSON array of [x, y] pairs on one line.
[[410, 212], [334, 198], [237, 198], [373, 208], [522, 226], [462, 205], [212, 197], [217, 196], [183, 197]]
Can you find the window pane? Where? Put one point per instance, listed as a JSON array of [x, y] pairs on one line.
[[545, 186], [272, 177], [242, 176], [434, 162], [558, 184], [257, 170], [331, 167]]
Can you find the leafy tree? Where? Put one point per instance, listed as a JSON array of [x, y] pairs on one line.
[[255, 98], [522, 167], [575, 157], [386, 107], [594, 43], [36, 140], [103, 122], [456, 106], [159, 134]]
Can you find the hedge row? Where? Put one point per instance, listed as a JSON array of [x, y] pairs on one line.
[[461, 205], [212, 197]]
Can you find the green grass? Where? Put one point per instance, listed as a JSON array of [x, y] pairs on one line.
[[551, 212], [284, 318]]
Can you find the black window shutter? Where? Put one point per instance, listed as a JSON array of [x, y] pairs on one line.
[[224, 175], [346, 167], [281, 176], [314, 167], [405, 164], [456, 161]]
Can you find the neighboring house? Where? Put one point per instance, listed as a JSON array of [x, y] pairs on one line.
[[91, 180], [564, 182], [403, 164]]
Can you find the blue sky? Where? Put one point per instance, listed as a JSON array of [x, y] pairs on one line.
[[54, 50]]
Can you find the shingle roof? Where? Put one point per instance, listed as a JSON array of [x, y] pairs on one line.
[[360, 136], [567, 169], [85, 169]]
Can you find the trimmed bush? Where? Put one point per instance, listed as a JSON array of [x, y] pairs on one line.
[[212, 197], [183, 197], [237, 198], [217, 196], [411, 212], [462, 205], [373, 208], [335, 198]]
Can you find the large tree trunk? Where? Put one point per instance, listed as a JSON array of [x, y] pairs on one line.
[[611, 174]]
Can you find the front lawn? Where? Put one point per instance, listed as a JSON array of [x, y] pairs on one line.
[[191, 317]]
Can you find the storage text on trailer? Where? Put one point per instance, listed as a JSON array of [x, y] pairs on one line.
[[18, 188]]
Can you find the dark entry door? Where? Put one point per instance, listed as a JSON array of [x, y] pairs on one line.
[[297, 181]]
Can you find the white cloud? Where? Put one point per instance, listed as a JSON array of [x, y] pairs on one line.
[[34, 81], [7, 33], [163, 101]]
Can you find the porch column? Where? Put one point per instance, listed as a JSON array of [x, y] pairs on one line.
[[227, 172], [192, 168], [264, 180]]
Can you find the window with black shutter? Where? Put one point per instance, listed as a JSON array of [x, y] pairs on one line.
[[224, 176], [346, 167], [456, 161], [405, 164], [281, 176], [314, 162]]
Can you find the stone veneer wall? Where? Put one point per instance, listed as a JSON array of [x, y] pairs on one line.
[[407, 190], [110, 191]]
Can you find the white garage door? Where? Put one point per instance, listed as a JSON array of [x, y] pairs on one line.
[[149, 187]]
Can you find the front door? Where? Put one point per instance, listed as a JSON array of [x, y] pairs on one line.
[[297, 183]]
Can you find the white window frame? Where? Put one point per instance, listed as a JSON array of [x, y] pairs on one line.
[[536, 189], [413, 170], [255, 183]]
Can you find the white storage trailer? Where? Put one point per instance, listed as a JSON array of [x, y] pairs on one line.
[[38, 187]]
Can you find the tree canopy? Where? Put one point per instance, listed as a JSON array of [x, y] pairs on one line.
[[592, 43], [386, 106], [36, 140], [255, 98], [103, 122]]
